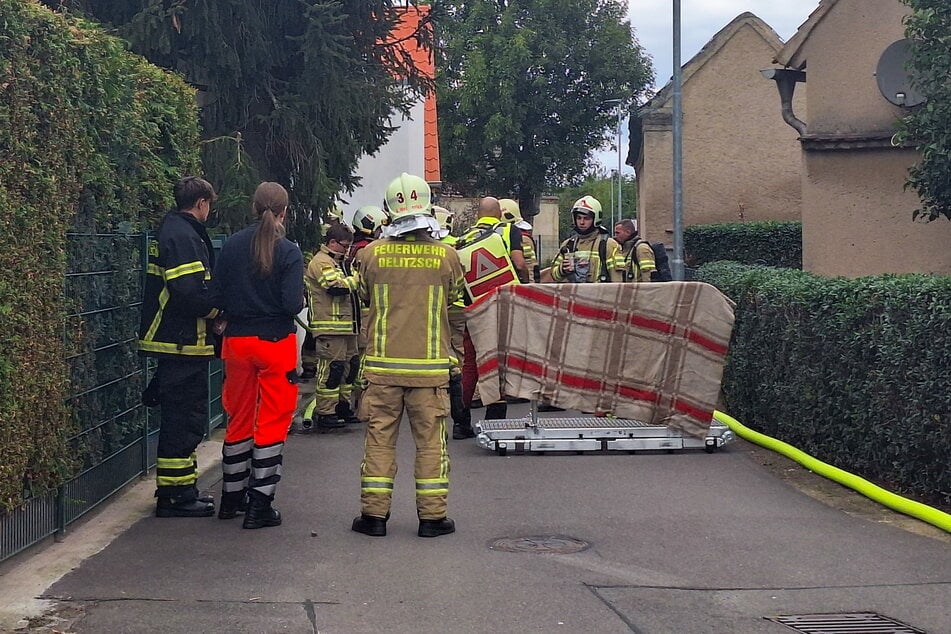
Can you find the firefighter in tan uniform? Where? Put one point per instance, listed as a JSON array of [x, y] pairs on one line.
[[333, 321], [512, 214], [636, 260], [409, 280], [590, 255]]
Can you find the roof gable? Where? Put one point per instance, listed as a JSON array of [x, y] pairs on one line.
[[711, 48], [792, 54]]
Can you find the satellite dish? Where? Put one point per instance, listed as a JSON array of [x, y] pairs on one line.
[[893, 80]]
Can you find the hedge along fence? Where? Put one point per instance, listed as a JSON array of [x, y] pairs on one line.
[[766, 243], [852, 371], [91, 139]]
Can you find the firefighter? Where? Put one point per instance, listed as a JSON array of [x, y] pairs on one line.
[[334, 323], [511, 213], [367, 223], [260, 279], [636, 260], [444, 219], [177, 329], [460, 412], [409, 281], [590, 254], [489, 259]]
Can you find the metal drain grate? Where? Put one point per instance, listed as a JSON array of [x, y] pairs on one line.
[[852, 623], [540, 544]]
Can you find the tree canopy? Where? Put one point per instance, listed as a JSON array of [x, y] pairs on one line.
[[929, 126], [293, 91], [525, 89]]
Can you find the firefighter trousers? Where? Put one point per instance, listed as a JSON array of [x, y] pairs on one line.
[[183, 397], [337, 366], [260, 396], [427, 408]]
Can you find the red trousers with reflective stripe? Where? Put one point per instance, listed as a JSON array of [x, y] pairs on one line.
[[258, 393]]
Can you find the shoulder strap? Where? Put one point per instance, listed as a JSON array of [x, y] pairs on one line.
[[603, 275]]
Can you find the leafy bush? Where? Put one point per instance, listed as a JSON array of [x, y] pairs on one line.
[[767, 243], [92, 138], [853, 371]]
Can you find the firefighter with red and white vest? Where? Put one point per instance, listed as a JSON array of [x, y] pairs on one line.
[[409, 281]]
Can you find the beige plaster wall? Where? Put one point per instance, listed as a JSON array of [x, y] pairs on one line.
[[857, 218], [842, 54], [741, 161]]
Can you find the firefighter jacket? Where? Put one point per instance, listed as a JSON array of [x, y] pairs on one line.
[[595, 256], [331, 296], [409, 283], [636, 261], [177, 302], [485, 260]]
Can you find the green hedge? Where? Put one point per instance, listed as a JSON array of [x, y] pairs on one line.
[[853, 371], [91, 139], [766, 243]]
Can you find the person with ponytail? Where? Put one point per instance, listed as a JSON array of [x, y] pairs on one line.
[[259, 284]]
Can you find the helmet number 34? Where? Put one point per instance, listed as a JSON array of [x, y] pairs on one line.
[[412, 196]]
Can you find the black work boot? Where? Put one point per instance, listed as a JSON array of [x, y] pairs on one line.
[[369, 525], [232, 503], [260, 514], [462, 427], [435, 528], [327, 422], [183, 507], [345, 413]]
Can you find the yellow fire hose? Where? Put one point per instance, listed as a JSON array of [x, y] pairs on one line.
[[917, 510]]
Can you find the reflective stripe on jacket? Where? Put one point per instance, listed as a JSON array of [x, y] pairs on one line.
[[409, 284], [330, 313], [176, 301]]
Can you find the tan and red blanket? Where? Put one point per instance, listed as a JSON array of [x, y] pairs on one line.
[[649, 352]]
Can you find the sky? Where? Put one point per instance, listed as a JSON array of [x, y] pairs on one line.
[[700, 21]]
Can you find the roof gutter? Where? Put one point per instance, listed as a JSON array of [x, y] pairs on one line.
[[786, 80]]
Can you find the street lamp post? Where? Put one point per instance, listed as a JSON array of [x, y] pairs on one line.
[[620, 178]]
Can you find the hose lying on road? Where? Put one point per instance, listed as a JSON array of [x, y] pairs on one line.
[[917, 510]]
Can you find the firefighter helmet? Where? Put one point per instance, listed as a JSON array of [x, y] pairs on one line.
[[588, 205], [444, 217], [408, 196], [333, 215], [510, 210], [368, 219]]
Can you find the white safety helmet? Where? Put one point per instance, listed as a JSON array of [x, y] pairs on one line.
[[407, 196], [368, 219], [444, 217], [512, 214], [588, 205]]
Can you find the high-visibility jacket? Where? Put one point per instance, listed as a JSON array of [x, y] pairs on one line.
[[409, 283], [486, 261], [330, 295], [636, 261], [177, 301], [587, 253]]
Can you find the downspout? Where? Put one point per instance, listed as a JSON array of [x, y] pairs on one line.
[[786, 80]]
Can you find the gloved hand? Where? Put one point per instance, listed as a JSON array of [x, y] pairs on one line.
[[337, 291], [568, 264]]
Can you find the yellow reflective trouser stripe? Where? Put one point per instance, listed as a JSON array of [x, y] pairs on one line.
[[171, 348], [432, 486], [176, 471], [153, 327], [184, 269], [175, 463], [370, 484]]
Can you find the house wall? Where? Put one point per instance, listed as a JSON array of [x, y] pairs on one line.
[[857, 215], [741, 161]]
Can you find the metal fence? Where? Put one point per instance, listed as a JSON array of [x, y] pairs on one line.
[[116, 437]]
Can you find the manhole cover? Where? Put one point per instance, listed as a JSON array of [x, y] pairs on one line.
[[540, 544], [864, 622]]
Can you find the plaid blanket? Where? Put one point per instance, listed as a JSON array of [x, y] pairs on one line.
[[648, 352]]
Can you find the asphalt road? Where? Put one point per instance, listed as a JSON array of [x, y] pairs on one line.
[[677, 543]]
